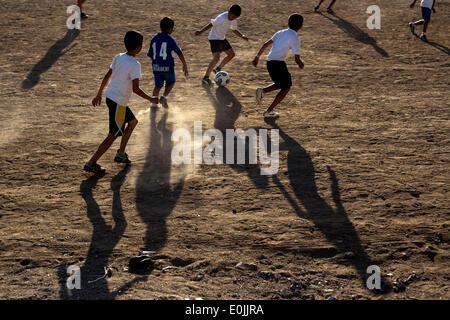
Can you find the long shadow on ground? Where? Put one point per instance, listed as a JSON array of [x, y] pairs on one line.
[[355, 32], [55, 52]]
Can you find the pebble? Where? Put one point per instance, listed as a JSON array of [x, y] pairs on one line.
[[234, 211], [283, 293], [332, 298], [238, 264]]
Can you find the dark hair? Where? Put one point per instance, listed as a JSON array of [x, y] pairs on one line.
[[236, 10], [166, 24], [132, 40], [295, 21]]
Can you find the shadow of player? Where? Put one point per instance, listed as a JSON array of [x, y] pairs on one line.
[[438, 46], [103, 241], [333, 224], [356, 33], [53, 54], [156, 197], [228, 109]]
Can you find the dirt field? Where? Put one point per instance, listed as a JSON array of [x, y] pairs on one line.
[[364, 158]]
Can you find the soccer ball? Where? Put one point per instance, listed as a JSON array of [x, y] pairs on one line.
[[222, 78]]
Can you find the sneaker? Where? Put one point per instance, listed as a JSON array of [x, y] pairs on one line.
[[121, 158], [95, 168], [271, 114], [423, 37], [163, 101], [330, 11], [83, 15], [216, 70], [259, 95], [316, 8], [207, 81], [411, 27]]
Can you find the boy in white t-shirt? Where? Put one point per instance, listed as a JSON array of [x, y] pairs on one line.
[[283, 41], [427, 6], [124, 72], [217, 39]]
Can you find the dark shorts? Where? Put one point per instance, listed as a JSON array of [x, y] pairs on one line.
[[219, 45], [118, 117], [161, 77], [279, 73], [426, 13]]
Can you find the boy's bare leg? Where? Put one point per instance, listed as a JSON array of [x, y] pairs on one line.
[[104, 146], [168, 89], [156, 92], [212, 64], [230, 55], [425, 25], [280, 96], [126, 135], [271, 88], [80, 4]]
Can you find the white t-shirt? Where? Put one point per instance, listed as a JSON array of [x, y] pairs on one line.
[[125, 69], [283, 41], [221, 25], [427, 4]]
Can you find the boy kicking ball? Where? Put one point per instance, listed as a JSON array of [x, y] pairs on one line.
[[427, 6], [217, 39], [124, 72], [160, 51], [282, 42]]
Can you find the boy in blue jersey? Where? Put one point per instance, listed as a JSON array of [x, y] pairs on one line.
[[160, 51]]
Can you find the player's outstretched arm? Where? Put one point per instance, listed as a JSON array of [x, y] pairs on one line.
[[239, 34], [183, 61], [98, 98], [413, 4], [432, 8], [299, 61], [142, 94], [266, 44], [207, 27]]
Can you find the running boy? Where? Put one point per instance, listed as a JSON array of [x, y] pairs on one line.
[[329, 10], [282, 41], [220, 25], [427, 6], [161, 48], [124, 72]]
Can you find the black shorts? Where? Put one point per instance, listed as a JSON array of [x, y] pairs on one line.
[[279, 73], [118, 117], [219, 45]]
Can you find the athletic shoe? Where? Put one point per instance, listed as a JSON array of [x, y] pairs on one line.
[[163, 101], [121, 158], [95, 168], [83, 15], [411, 27], [316, 8], [259, 95], [216, 70], [423, 37], [207, 81], [271, 114], [330, 11]]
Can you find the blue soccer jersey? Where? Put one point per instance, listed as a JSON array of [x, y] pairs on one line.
[[161, 48]]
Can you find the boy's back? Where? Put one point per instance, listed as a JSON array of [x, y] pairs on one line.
[[125, 69], [161, 48], [283, 41]]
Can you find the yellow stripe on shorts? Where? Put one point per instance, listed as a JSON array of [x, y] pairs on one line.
[[120, 116]]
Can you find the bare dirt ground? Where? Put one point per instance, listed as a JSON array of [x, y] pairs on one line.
[[364, 158]]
